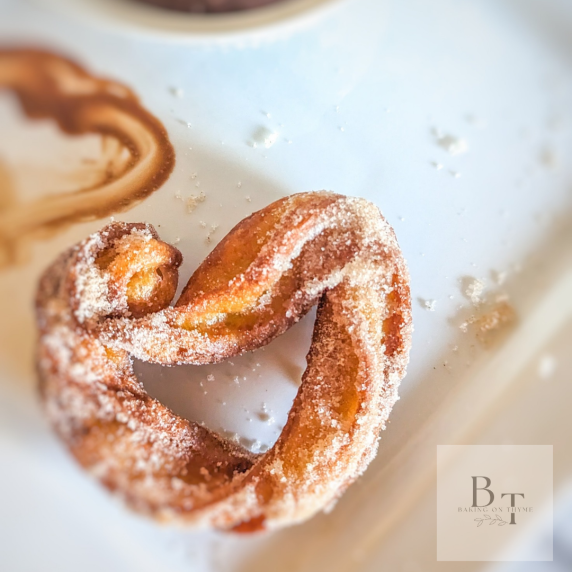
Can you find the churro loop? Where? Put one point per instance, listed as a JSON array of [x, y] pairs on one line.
[[107, 300]]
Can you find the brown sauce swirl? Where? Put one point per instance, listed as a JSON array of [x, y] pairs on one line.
[[48, 85]]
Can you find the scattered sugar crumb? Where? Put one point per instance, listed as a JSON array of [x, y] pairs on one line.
[[263, 416], [453, 145], [500, 315], [492, 321], [429, 305], [474, 290], [194, 200], [212, 230], [437, 165], [263, 136], [270, 140]]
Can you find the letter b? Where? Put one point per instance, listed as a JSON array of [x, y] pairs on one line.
[[475, 489]]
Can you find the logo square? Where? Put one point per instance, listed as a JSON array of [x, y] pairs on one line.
[[488, 496]]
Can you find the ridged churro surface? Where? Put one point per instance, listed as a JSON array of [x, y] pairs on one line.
[[106, 301]]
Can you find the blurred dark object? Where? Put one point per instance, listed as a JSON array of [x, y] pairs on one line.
[[204, 6]]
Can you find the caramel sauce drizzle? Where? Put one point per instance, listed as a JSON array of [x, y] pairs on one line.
[[48, 85]]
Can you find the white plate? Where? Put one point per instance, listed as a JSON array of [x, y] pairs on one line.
[[355, 100]]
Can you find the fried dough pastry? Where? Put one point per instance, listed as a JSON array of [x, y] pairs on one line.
[[106, 301]]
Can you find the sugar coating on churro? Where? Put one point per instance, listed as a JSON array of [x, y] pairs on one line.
[[107, 300]]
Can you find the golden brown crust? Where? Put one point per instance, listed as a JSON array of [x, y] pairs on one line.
[[263, 276]]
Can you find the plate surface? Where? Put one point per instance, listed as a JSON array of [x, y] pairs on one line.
[[454, 118]]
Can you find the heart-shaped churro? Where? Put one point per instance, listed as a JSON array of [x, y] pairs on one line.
[[106, 301]]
